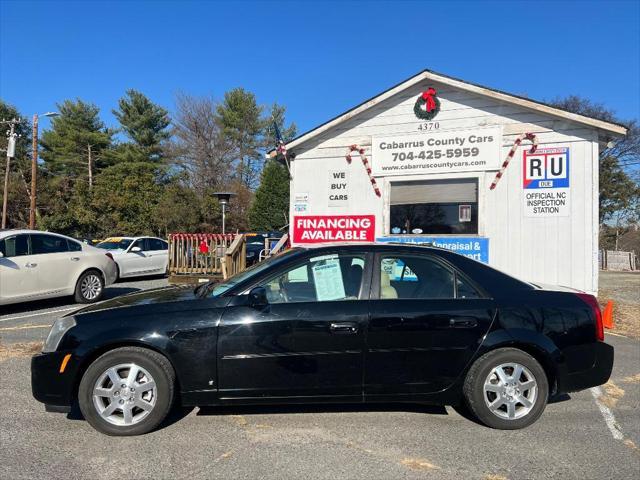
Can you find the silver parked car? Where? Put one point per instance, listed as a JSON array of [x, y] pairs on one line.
[[36, 265]]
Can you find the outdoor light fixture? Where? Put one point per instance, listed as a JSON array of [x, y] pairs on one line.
[[223, 198]]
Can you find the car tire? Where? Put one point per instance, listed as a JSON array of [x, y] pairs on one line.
[[90, 287], [98, 395], [506, 389]]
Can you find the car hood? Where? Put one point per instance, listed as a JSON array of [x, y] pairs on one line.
[[146, 297]]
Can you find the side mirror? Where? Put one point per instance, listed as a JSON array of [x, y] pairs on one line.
[[135, 249], [258, 297]]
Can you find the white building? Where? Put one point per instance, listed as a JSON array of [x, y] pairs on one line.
[[434, 155]]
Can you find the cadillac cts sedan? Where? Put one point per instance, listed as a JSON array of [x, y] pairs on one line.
[[347, 323]]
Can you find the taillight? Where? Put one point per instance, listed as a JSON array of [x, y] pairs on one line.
[[593, 303], [108, 254]]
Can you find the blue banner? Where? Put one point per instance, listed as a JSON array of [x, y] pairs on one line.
[[472, 247]]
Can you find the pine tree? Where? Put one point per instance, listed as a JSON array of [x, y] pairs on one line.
[[271, 203], [75, 143], [240, 118], [145, 124]]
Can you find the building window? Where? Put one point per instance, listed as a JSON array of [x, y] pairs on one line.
[[442, 207]]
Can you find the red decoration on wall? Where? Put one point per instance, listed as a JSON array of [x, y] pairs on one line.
[[365, 162], [428, 98], [529, 136], [430, 102]]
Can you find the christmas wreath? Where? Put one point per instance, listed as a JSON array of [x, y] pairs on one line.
[[427, 105]]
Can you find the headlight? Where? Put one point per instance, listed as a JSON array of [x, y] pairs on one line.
[[58, 329]]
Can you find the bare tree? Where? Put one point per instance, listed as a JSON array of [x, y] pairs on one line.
[[199, 145]]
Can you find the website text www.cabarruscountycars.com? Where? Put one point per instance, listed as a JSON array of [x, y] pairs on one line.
[[427, 159], [438, 156]]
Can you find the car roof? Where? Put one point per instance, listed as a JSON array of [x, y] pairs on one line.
[[18, 231]]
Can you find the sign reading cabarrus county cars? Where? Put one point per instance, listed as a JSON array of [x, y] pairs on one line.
[[333, 228], [437, 152]]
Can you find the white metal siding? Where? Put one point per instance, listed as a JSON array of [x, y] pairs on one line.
[[554, 250]]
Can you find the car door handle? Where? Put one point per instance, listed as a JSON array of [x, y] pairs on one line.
[[31, 265], [344, 328], [463, 322], [75, 259]]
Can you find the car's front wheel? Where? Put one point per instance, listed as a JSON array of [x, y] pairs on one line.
[[507, 389], [127, 391]]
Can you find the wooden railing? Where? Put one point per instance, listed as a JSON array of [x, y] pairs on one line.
[[235, 259], [188, 256], [280, 245]]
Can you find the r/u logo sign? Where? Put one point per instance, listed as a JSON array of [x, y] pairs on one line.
[[546, 168]]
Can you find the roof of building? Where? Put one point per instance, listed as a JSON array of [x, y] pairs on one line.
[[610, 127]]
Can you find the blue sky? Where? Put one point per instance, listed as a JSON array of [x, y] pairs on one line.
[[317, 59]]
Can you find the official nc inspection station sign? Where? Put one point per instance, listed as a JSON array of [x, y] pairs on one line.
[[545, 182], [472, 247]]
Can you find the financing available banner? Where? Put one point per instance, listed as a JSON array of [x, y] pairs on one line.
[[333, 228]]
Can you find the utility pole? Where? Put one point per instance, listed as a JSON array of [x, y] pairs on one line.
[[10, 153], [34, 173], [34, 168]]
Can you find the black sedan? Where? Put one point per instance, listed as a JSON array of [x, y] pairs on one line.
[[347, 323]]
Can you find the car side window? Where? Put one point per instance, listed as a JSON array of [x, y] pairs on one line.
[[15, 246], [465, 290], [44, 244], [319, 279], [413, 277], [140, 243], [74, 246], [156, 244]]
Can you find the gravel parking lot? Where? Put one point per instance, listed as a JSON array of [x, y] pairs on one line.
[[593, 434]]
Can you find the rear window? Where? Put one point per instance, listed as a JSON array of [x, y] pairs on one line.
[[15, 246], [74, 246]]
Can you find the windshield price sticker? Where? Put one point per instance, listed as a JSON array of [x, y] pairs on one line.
[[460, 150], [328, 280]]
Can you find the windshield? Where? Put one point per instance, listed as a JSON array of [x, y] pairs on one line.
[[115, 244], [220, 288]]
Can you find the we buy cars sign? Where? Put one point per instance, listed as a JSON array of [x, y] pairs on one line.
[[333, 228]]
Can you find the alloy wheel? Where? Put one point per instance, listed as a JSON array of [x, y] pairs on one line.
[[125, 394], [510, 391], [91, 287]]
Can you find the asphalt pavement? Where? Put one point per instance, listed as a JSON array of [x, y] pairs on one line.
[[593, 434]]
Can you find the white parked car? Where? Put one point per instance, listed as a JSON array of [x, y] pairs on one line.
[[36, 265], [138, 256]]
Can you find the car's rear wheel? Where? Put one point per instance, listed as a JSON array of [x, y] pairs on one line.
[[127, 391], [506, 389], [90, 287]]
